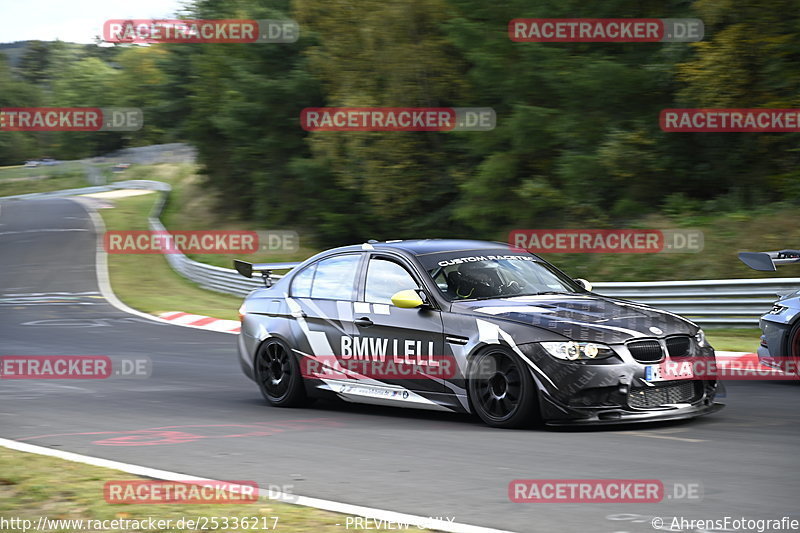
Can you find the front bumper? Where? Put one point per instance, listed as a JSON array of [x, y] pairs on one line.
[[618, 393], [609, 417], [701, 403]]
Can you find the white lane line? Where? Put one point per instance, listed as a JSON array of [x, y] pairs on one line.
[[118, 193], [19, 232], [327, 505], [657, 436], [103, 281]]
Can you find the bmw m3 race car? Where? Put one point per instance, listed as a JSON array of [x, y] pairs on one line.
[[780, 326], [465, 326]]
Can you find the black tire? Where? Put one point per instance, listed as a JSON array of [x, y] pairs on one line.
[[793, 343], [501, 389], [278, 375]]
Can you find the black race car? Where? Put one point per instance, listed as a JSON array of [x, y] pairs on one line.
[[466, 326], [780, 326]]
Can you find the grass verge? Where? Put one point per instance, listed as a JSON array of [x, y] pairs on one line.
[[734, 340], [146, 281], [34, 486]]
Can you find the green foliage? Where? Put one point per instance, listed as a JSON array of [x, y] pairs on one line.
[[577, 142], [15, 146]]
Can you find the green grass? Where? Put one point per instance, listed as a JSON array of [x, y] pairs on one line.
[[21, 180], [146, 281], [16, 172], [726, 233], [34, 486], [734, 339]]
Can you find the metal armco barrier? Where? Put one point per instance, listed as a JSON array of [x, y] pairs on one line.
[[712, 302]]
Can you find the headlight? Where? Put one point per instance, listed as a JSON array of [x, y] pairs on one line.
[[571, 350], [700, 337], [777, 309]]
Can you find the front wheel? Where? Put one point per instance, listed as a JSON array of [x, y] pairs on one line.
[[501, 389], [278, 375], [793, 349]]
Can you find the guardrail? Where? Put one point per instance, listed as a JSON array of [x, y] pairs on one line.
[[712, 302], [723, 302], [211, 277]]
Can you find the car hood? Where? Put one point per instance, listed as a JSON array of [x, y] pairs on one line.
[[583, 317]]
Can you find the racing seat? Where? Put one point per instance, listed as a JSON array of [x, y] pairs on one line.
[[471, 281]]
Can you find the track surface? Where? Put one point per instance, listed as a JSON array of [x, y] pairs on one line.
[[197, 414]]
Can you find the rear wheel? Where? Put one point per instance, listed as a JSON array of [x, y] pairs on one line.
[[278, 375], [501, 389], [794, 342]]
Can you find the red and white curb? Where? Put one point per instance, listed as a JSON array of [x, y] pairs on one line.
[[199, 321]]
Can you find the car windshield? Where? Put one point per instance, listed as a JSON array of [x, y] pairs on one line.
[[483, 277]]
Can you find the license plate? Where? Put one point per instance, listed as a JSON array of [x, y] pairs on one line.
[[668, 371]]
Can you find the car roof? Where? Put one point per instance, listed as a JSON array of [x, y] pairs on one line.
[[429, 246]]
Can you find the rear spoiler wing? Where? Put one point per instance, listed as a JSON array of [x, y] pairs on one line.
[[768, 261], [246, 269]]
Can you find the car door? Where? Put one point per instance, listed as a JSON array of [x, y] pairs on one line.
[[409, 341], [322, 302]]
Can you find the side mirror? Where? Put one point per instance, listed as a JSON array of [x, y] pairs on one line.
[[408, 299], [583, 283]]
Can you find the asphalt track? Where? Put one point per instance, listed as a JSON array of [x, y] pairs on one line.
[[198, 415]]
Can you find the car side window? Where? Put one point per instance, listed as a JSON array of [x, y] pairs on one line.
[[335, 277], [384, 279], [301, 284]]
